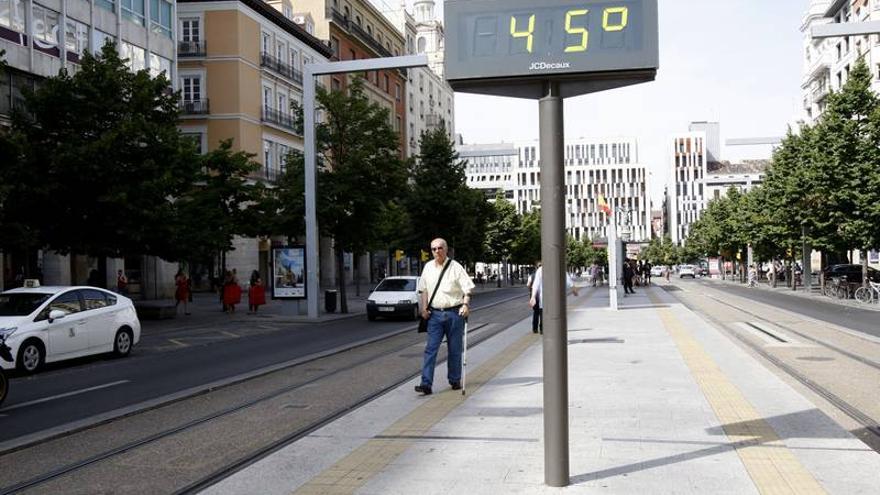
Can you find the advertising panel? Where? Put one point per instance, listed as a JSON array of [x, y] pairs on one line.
[[289, 272]]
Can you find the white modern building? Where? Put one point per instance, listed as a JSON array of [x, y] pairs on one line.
[[593, 167], [744, 176], [430, 100], [828, 61], [685, 194]]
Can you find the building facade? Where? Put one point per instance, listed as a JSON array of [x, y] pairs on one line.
[[828, 61], [240, 71], [744, 176], [593, 167], [685, 194], [42, 37], [430, 100]]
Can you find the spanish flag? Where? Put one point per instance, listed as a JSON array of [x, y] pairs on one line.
[[603, 205]]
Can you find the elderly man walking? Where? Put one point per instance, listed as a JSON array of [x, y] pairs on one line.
[[445, 305]]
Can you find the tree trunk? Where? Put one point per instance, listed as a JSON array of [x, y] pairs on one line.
[[357, 276], [340, 280]]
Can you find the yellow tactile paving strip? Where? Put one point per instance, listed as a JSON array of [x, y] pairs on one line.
[[354, 470], [771, 465]]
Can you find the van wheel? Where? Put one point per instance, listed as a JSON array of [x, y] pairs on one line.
[[122, 342], [31, 357]]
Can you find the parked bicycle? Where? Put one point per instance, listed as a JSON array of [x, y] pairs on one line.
[[868, 294], [839, 288]]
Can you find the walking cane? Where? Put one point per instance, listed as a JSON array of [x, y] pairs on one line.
[[464, 360]]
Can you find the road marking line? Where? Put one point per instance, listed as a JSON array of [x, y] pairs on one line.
[[175, 341], [230, 334], [771, 465], [61, 396], [357, 468]]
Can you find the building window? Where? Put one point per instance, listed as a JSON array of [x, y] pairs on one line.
[[422, 44], [196, 138], [159, 65], [135, 55], [191, 88], [190, 30], [104, 4], [282, 103], [100, 38], [267, 97], [387, 83], [133, 10], [294, 58], [267, 43], [352, 55], [397, 91], [45, 27], [160, 17], [336, 85], [76, 38], [12, 15], [334, 45]]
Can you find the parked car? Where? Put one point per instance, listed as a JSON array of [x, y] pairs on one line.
[[853, 273], [657, 271], [48, 324], [687, 271], [394, 297]]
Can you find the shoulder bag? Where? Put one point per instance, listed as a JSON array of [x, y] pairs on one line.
[[423, 323]]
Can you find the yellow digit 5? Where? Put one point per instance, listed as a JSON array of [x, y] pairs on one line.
[[528, 35], [624, 13], [585, 35]]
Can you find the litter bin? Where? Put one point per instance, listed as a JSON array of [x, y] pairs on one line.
[[330, 301]]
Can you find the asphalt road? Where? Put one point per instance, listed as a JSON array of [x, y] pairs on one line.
[[817, 307], [166, 363]]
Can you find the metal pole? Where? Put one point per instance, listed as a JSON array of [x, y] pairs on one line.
[[311, 191], [613, 256], [806, 260], [556, 465]]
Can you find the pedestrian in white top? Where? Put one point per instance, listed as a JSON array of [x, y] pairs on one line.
[[446, 314], [537, 300]]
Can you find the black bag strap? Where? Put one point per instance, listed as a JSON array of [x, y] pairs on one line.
[[445, 266]]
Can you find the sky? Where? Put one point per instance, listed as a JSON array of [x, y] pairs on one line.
[[736, 62]]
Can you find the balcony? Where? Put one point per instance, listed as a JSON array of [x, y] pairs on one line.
[[369, 40], [819, 93], [281, 68], [194, 107], [337, 17], [191, 49], [280, 118], [820, 66]]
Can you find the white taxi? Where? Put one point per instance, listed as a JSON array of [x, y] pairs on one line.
[[47, 324], [394, 296]]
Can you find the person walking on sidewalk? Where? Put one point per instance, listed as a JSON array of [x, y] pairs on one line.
[[537, 323], [537, 300], [449, 308], [256, 293], [627, 278], [181, 293]]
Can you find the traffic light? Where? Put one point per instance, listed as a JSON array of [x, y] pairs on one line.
[[398, 255], [425, 255]]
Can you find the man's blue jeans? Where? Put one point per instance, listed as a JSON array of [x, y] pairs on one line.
[[451, 325]]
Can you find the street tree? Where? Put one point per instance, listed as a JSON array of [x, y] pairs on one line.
[[502, 230], [101, 162], [359, 172], [527, 247], [221, 204], [441, 204]]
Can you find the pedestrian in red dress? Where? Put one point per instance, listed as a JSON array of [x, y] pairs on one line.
[[256, 293], [231, 292], [181, 293]]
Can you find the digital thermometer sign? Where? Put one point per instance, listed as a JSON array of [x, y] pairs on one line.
[[510, 47]]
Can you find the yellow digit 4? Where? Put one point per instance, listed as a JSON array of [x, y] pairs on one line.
[[528, 35], [624, 13], [585, 35]]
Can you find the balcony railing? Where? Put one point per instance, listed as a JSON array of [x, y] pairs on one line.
[[281, 68], [369, 40], [280, 118], [191, 48], [194, 107]]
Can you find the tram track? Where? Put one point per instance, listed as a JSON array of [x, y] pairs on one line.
[[870, 426], [388, 347]]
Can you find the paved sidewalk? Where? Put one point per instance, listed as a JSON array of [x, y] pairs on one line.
[[660, 402], [814, 294]]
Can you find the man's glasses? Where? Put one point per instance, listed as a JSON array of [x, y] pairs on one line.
[[437, 248]]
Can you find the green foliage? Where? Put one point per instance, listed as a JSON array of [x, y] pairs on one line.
[[441, 204], [527, 247], [823, 184], [100, 163], [219, 205], [502, 229]]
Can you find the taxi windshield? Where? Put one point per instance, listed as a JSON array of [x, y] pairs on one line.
[[21, 304]]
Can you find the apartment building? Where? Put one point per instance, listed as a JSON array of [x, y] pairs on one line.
[[744, 176], [593, 167], [42, 37], [828, 61], [356, 29], [430, 100], [240, 70], [686, 194]]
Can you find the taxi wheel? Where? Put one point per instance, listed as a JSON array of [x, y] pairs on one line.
[[4, 386], [31, 356], [122, 343]]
